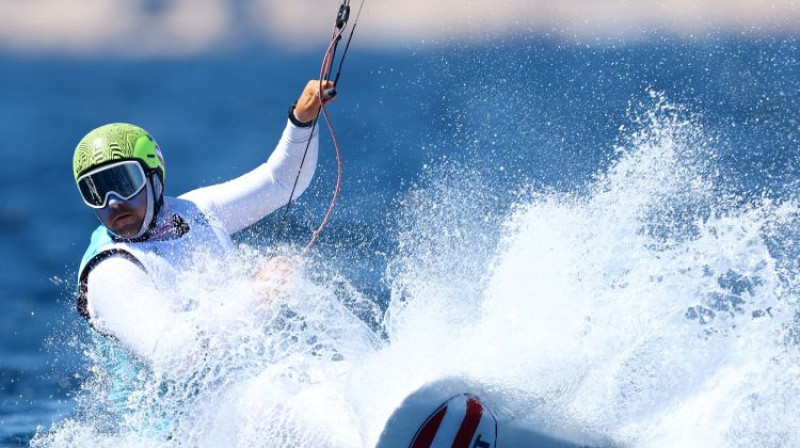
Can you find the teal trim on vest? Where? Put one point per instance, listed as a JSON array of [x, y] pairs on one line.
[[100, 238]]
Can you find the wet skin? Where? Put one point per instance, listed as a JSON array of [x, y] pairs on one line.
[[124, 217]]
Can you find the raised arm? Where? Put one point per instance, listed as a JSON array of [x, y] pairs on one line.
[[245, 200]]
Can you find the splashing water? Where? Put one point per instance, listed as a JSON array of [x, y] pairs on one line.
[[650, 311], [265, 370], [654, 308]]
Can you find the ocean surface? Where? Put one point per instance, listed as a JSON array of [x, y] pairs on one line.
[[604, 234]]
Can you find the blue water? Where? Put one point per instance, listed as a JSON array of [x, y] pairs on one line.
[[517, 113]]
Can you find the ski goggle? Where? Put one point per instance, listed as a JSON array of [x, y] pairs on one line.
[[124, 179]]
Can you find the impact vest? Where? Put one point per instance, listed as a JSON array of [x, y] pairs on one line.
[[182, 233]]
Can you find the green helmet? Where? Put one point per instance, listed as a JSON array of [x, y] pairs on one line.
[[117, 141]]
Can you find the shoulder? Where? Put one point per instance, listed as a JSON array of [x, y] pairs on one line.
[[198, 198], [199, 206], [193, 204], [93, 259], [106, 272], [184, 203], [190, 208], [115, 268]]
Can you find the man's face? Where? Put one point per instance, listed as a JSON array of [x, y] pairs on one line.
[[124, 217]]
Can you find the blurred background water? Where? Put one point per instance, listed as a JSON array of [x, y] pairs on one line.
[[525, 110]]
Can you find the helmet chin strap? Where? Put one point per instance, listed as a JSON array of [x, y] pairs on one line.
[[158, 192], [149, 215]]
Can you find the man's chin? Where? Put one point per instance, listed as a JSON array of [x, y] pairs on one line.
[[126, 231]]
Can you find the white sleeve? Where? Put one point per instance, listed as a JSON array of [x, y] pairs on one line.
[[123, 302], [243, 201]]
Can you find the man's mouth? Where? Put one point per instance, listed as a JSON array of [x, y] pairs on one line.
[[122, 217]]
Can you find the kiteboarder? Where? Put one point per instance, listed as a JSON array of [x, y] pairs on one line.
[[146, 238]]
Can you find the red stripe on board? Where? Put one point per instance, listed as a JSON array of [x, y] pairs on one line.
[[469, 425], [425, 435]]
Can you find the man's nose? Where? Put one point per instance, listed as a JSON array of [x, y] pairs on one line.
[[114, 201]]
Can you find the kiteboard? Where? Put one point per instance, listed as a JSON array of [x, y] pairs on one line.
[[461, 421], [458, 413]]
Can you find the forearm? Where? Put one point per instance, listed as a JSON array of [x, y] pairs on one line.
[[290, 161]]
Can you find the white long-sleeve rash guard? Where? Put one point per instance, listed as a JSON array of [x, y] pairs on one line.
[[138, 315]]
